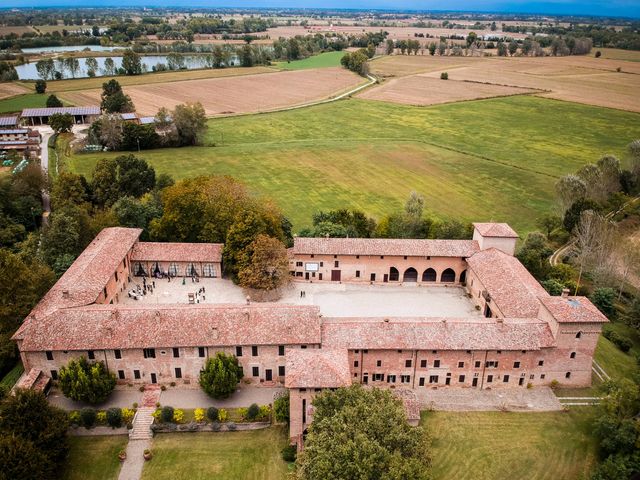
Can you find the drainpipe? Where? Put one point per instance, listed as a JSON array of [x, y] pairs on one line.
[[484, 366], [415, 367]]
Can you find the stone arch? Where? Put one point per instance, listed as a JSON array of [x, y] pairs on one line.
[[429, 275], [410, 275], [448, 276], [463, 277], [394, 275], [139, 270]]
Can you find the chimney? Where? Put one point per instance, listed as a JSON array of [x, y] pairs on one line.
[[65, 293], [565, 293]]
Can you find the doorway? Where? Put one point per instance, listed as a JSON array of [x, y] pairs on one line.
[[475, 382], [335, 275], [521, 381], [268, 375], [154, 379]]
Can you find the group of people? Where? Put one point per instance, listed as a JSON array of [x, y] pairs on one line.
[[139, 291]]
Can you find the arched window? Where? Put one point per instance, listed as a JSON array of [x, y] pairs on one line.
[[578, 335], [448, 276], [573, 355], [429, 275], [156, 269], [173, 269], [410, 275], [463, 276], [209, 270], [191, 270], [394, 275], [139, 270]]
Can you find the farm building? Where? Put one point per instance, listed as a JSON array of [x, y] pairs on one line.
[[23, 140], [9, 122], [467, 315], [40, 116]]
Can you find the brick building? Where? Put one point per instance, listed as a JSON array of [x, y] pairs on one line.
[[517, 335]]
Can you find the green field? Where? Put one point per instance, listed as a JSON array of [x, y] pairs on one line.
[[10, 379], [477, 161], [613, 360], [94, 458], [323, 60], [248, 455], [514, 446], [17, 103]]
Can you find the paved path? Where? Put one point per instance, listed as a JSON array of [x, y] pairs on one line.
[[132, 467], [46, 133], [196, 398], [118, 398]]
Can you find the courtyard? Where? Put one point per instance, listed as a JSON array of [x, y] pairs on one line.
[[334, 300]]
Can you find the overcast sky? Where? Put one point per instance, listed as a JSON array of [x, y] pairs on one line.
[[625, 8]]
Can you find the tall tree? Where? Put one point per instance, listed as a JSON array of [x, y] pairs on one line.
[[86, 382], [266, 264], [131, 63], [113, 98], [190, 122], [220, 375]]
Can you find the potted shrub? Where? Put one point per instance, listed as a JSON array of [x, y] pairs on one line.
[[147, 455], [122, 455]]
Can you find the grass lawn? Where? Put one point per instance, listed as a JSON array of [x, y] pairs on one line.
[[17, 103], [323, 60], [12, 376], [94, 458], [507, 445], [614, 361], [249, 455], [477, 161]]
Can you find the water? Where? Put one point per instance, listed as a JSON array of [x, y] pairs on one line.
[[28, 71], [70, 48]]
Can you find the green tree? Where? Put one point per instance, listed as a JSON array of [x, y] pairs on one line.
[[68, 188], [220, 375], [68, 234], [19, 458], [53, 102], [358, 433], [41, 86], [548, 223], [45, 69], [604, 299], [126, 175], [86, 382], [61, 122], [534, 255], [513, 47], [131, 63], [472, 38], [266, 264], [281, 407], [190, 122], [113, 99], [502, 49], [572, 215], [390, 47]]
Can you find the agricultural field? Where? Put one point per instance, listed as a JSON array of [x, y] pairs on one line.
[[94, 457], [323, 60], [494, 159], [248, 455], [30, 100], [244, 94], [11, 89], [403, 65], [517, 446], [617, 54], [593, 81]]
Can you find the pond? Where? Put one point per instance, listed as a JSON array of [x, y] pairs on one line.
[[28, 71], [70, 48]]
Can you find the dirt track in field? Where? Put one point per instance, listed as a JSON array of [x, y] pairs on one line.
[[245, 94], [578, 79]]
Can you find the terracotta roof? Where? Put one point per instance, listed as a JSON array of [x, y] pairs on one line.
[[177, 252], [573, 310], [385, 246], [435, 334], [317, 368], [98, 327], [87, 276], [495, 230], [511, 287]]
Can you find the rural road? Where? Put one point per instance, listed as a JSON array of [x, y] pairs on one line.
[[46, 133]]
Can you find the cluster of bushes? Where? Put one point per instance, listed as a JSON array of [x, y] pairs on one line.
[[622, 343], [114, 417], [254, 413]]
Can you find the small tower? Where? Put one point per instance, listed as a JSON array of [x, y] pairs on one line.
[[495, 235]]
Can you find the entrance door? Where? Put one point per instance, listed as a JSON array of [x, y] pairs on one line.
[[448, 381], [521, 381], [335, 275], [475, 382], [306, 275], [268, 375], [386, 278], [153, 378]]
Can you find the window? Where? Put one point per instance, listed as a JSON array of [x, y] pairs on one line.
[[303, 347], [136, 374], [121, 374], [357, 273], [542, 376], [567, 375], [499, 352], [407, 363], [379, 363], [391, 379], [322, 264], [254, 351], [423, 364], [433, 379], [421, 382], [209, 270], [117, 354], [91, 355], [281, 350], [255, 371], [461, 379], [298, 264], [149, 353], [434, 351], [469, 352], [399, 351], [532, 377], [436, 363], [176, 352], [49, 354], [238, 351], [405, 378], [104, 290], [281, 371], [505, 379], [373, 277], [516, 364], [573, 355], [460, 364], [54, 375], [356, 351], [178, 372], [336, 264], [489, 378], [356, 363], [579, 334], [201, 352], [477, 364], [540, 363], [491, 364], [378, 377], [365, 351]]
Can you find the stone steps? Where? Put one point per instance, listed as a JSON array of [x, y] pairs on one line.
[[142, 424]]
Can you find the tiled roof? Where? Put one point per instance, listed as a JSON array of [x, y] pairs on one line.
[[317, 368], [177, 252], [573, 310], [46, 112], [384, 246], [87, 276], [511, 287], [98, 327], [435, 334], [8, 121], [495, 230]]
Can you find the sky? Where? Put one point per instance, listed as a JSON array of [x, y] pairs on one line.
[[618, 8]]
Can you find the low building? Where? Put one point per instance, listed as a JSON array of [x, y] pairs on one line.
[[40, 116], [22, 140], [9, 122]]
